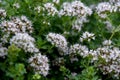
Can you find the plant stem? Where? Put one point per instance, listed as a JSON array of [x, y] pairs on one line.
[[112, 35]]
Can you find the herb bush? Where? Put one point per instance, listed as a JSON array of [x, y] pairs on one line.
[[59, 40]]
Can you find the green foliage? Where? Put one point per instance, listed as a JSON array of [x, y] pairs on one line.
[[87, 74], [14, 66], [64, 70], [36, 77], [13, 53], [11, 66], [16, 71]]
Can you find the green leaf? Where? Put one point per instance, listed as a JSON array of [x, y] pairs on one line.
[[36, 76], [16, 71], [13, 53]]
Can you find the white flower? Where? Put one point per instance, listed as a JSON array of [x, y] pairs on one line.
[[5, 38], [38, 9], [16, 5], [59, 41], [111, 56], [24, 41], [94, 54], [114, 1], [2, 12], [109, 26], [77, 25], [17, 25], [75, 8], [117, 5], [103, 8], [87, 36], [78, 49], [56, 1], [3, 51], [107, 42], [50, 9], [39, 63], [111, 59]]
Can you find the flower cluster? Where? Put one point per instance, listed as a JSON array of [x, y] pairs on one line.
[[5, 38], [107, 58], [56, 1], [24, 41], [39, 63], [102, 8], [117, 5], [87, 36], [111, 57], [50, 9], [20, 27], [79, 49], [16, 5], [59, 41], [39, 9], [75, 8], [105, 7], [109, 26], [2, 13], [113, 1], [17, 25], [77, 25], [107, 42], [3, 51], [74, 45]]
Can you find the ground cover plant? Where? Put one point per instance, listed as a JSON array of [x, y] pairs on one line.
[[59, 40]]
